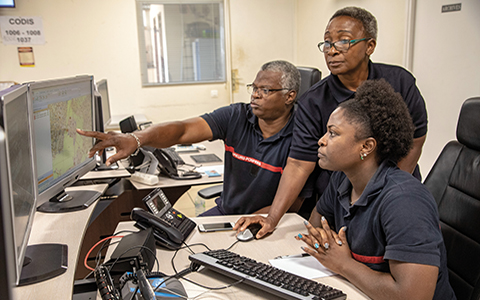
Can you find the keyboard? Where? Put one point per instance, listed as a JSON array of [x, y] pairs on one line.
[[265, 277], [174, 155]]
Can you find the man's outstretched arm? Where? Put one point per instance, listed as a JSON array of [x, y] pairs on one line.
[[159, 136]]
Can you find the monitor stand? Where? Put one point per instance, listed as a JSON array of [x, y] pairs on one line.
[[101, 166], [71, 201], [42, 262]]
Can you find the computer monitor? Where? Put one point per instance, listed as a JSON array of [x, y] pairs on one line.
[[7, 246], [19, 192], [7, 3], [60, 106], [102, 88]]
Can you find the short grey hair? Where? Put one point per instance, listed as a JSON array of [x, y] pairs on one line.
[[368, 21], [290, 75]]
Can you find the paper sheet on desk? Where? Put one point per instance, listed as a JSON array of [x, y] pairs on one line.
[[307, 267], [216, 168]]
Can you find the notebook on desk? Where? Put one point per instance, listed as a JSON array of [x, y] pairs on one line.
[[120, 172], [205, 158]]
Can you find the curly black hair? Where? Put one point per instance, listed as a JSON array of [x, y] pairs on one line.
[[381, 113]]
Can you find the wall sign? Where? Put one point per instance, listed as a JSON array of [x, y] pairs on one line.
[[22, 30], [451, 7]]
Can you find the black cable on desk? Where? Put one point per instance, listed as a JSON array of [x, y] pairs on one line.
[[193, 267]]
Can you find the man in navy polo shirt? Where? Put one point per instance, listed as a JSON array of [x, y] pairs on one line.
[[349, 40], [257, 138]]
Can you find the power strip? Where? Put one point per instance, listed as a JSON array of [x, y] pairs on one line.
[[148, 179]]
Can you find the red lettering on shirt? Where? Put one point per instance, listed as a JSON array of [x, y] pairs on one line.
[[254, 161]]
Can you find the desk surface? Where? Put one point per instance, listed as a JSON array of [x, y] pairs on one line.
[[280, 242], [215, 147], [63, 228]]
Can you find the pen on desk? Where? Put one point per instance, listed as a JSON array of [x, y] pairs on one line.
[[292, 256]]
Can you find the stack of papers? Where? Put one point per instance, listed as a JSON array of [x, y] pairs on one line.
[[307, 267]]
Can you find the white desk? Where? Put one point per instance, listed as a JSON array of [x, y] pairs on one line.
[[280, 242], [63, 228], [215, 147]]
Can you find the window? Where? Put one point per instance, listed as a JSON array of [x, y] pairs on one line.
[[181, 41]]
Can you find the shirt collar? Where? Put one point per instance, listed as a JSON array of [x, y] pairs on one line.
[[373, 188], [339, 91], [285, 131]]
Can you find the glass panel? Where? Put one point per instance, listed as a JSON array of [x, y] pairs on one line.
[[183, 43]]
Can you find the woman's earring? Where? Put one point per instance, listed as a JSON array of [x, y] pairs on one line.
[[363, 155]]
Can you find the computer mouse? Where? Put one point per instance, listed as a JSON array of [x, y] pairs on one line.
[[249, 233]]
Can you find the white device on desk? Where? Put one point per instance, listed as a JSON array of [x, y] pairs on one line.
[[212, 227]]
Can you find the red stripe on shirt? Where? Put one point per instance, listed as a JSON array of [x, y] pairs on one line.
[[254, 161], [368, 259]]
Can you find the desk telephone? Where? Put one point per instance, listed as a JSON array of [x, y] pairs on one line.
[[154, 157], [150, 158], [168, 166], [170, 227]]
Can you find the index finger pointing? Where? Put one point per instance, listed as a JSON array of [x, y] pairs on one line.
[[94, 134]]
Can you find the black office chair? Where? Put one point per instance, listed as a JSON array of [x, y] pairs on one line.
[[454, 181], [309, 76]]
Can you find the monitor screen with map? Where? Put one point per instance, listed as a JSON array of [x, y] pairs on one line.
[[61, 106]]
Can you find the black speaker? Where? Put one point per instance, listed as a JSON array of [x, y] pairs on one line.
[[128, 125]]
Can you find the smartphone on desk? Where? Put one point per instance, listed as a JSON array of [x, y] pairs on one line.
[[212, 227]]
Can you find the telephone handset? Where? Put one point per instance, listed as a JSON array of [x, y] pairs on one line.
[[165, 162], [168, 167], [165, 234]]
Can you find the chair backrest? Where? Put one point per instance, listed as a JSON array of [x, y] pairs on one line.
[[309, 77], [454, 181]]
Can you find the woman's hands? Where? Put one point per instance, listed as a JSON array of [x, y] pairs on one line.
[[328, 247]]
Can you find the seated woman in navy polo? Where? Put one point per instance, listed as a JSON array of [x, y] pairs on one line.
[[376, 225]]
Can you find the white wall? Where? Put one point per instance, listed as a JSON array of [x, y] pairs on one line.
[[261, 31], [100, 38], [446, 62]]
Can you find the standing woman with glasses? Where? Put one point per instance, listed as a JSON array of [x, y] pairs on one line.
[[350, 39]]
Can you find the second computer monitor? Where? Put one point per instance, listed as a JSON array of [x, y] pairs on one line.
[[102, 88], [60, 107]]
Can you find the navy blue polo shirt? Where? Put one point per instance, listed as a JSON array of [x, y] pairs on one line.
[[253, 165], [316, 105], [395, 218]]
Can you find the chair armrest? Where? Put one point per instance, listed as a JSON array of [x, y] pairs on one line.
[[211, 192]]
